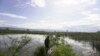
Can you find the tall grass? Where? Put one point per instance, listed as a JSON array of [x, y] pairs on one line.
[[60, 49], [63, 50], [40, 51], [15, 46], [84, 36]]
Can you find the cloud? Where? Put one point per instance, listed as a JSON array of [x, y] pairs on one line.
[[65, 10], [56, 3], [96, 9], [61, 14], [13, 15], [91, 18], [62, 9], [72, 4], [52, 23], [39, 3], [41, 25], [32, 3], [3, 23]]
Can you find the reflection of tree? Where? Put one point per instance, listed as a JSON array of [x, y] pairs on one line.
[[96, 44]]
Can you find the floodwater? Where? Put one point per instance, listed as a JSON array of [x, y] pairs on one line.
[[82, 48], [27, 50]]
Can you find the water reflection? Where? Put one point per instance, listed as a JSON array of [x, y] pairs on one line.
[[36, 40], [84, 48], [96, 45]]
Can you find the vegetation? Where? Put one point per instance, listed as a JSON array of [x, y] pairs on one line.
[[15, 46], [75, 35], [61, 49], [85, 36], [40, 51], [7, 31], [93, 38], [56, 39]]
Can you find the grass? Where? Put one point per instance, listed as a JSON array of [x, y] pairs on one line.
[[63, 50], [60, 50], [15, 46], [85, 36], [40, 51], [93, 38], [7, 31], [2, 53]]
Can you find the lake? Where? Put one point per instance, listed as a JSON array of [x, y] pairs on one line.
[[82, 48]]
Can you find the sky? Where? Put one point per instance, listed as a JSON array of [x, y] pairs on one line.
[[51, 14]]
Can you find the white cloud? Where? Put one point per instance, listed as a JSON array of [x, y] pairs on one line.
[[71, 5], [41, 25], [52, 23], [3, 23], [73, 2], [89, 19], [13, 15], [96, 9], [32, 3], [39, 3], [57, 3], [60, 10]]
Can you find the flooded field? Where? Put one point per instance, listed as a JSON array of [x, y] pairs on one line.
[[82, 48]]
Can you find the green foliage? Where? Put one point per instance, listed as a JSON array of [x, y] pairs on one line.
[[40, 51], [8, 31], [63, 50], [53, 41], [85, 36], [2, 53], [60, 49], [15, 46]]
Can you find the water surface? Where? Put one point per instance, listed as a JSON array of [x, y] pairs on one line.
[[82, 48]]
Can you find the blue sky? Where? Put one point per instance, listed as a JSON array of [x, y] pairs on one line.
[[49, 14]]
